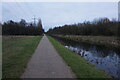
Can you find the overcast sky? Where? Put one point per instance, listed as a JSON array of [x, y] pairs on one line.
[[58, 13]]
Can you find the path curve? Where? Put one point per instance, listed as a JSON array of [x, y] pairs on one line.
[[46, 63]]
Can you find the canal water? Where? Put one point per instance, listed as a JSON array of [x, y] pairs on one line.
[[102, 57]]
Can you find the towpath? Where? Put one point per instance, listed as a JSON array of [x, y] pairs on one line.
[[46, 63]]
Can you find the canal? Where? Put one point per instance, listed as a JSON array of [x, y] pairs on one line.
[[105, 58]]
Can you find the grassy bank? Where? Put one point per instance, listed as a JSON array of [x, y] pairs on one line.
[[79, 65], [16, 53], [98, 40]]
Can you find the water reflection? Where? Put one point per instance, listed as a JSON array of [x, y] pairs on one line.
[[104, 58]]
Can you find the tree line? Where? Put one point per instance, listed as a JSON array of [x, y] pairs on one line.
[[22, 28], [97, 27]]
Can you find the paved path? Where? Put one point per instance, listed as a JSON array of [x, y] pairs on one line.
[[46, 63]]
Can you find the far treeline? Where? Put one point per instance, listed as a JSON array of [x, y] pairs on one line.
[[98, 27], [22, 28]]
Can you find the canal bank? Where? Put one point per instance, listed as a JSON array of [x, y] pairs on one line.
[[79, 65], [105, 58], [108, 41]]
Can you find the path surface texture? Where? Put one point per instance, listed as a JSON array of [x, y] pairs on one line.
[[46, 63]]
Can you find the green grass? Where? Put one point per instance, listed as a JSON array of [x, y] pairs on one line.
[[16, 53], [79, 65]]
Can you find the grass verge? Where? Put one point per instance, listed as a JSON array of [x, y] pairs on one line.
[[16, 53], [79, 65]]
